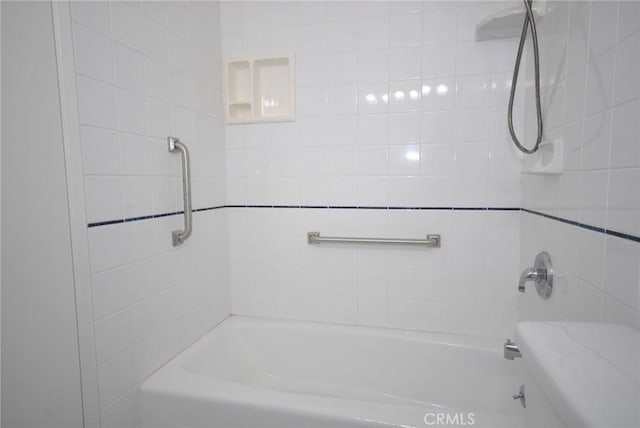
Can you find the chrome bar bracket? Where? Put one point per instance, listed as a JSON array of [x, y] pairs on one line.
[[430, 241], [175, 145]]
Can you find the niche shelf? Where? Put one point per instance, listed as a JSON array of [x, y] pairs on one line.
[[260, 89]]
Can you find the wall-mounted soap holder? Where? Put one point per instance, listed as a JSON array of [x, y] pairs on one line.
[[548, 160], [260, 89]]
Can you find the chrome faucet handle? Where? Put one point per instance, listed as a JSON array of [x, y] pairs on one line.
[[541, 273]]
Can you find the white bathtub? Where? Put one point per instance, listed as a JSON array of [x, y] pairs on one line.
[[251, 372]]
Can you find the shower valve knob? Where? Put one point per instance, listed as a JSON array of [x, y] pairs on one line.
[[541, 273]]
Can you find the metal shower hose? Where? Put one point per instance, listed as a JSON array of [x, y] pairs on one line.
[[529, 21]]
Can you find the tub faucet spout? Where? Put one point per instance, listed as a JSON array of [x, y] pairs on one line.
[[511, 350]]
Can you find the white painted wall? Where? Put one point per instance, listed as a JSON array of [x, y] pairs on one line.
[[0, 241], [590, 56], [397, 106], [40, 361]]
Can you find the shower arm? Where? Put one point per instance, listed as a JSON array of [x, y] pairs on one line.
[[529, 21]]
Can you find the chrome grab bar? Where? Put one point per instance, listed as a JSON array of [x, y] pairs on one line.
[[431, 241], [179, 236]]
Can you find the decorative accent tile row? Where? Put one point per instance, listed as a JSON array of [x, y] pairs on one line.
[[585, 226], [147, 217], [391, 208]]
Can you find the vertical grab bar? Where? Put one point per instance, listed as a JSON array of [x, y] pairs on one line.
[[179, 236]]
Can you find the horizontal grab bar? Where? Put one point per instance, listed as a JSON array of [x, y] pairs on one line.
[[431, 241]]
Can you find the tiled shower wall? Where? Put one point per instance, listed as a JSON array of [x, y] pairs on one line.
[[144, 71], [590, 55], [398, 109]]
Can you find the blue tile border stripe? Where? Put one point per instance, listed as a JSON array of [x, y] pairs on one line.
[[390, 208], [369, 207], [148, 217], [331, 207], [611, 232]]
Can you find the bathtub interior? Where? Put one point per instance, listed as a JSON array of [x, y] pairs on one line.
[[358, 364]]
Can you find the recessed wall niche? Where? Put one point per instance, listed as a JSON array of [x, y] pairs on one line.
[[260, 89]]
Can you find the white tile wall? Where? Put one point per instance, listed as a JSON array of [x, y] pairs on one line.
[[595, 59], [397, 106], [418, 89], [146, 70]]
